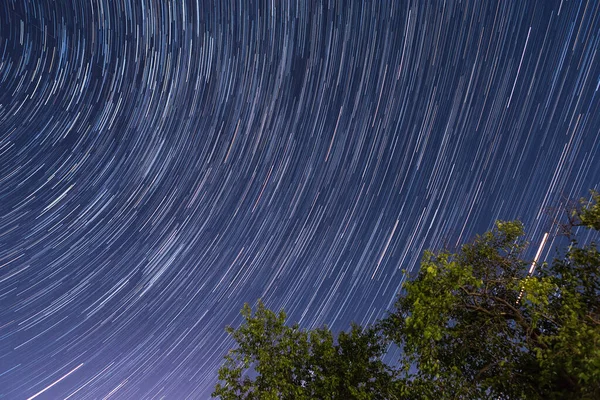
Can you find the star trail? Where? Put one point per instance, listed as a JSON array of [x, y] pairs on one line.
[[163, 162]]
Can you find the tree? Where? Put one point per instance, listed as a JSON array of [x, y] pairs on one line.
[[293, 363], [474, 324], [471, 324]]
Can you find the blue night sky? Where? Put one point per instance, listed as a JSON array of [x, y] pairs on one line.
[[163, 162]]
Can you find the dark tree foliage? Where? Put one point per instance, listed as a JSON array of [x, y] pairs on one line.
[[472, 324], [293, 363]]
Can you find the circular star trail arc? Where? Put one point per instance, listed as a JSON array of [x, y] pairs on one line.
[[163, 162]]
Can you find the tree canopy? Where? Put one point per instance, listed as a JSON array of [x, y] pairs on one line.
[[472, 324]]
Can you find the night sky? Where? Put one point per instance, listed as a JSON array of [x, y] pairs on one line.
[[163, 162]]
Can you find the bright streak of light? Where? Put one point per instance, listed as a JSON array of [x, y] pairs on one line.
[[60, 379], [535, 261], [537, 255]]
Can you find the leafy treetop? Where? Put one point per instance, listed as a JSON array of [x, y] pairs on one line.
[[472, 324]]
